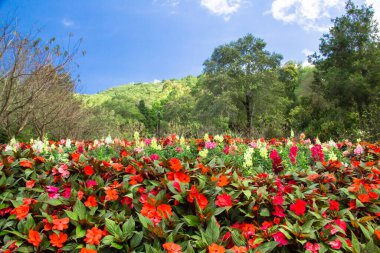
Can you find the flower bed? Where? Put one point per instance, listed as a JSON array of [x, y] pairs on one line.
[[216, 194]]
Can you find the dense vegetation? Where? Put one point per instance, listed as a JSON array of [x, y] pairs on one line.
[[217, 194], [244, 90]]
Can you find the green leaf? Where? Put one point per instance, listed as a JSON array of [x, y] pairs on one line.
[[355, 244], [265, 212], [116, 245], [29, 224], [136, 239], [128, 227], [79, 232], [114, 229], [237, 238], [73, 216], [108, 239], [266, 247], [192, 220], [144, 220], [69, 247], [212, 231], [80, 209]]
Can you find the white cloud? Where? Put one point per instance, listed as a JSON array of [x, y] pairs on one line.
[[376, 7], [223, 8], [309, 14], [306, 52], [156, 81], [67, 22]]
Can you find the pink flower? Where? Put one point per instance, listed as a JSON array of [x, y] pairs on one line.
[[317, 153], [314, 248], [148, 141], [154, 157], [210, 145], [223, 200], [336, 244], [52, 191], [293, 154], [280, 238], [90, 183], [276, 161], [226, 149], [359, 150], [67, 193], [63, 170]]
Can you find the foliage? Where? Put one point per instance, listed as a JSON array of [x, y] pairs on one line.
[[216, 194]]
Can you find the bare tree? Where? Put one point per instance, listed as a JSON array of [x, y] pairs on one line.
[[30, 73]]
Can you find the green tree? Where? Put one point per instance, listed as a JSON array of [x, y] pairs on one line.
[[241, 76], [349, 62]]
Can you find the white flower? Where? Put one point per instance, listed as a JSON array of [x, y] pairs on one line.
[[136, 135], [203, 153], [206, 138], [68, 143], [248, 158], [218, 138], [264, 152], [108, 140]]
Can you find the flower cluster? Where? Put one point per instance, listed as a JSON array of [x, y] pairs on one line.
[[215, 194]]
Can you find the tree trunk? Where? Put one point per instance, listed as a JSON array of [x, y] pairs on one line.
[[360, 112], [249, 112]]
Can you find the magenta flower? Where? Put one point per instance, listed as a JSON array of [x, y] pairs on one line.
[[154, 157], [63, 170], [52, 191], [90, 183], [336, 244], [293, 154], [210, 145], [280, 238]]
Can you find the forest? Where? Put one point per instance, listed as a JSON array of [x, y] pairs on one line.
[[244, 90]]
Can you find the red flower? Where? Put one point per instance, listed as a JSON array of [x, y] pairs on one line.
[[175, 164], [88, 170], [85, 250], [34, 238], [21, 211], [299, 207], [223, 200], [334, 205], [377, 233], [58, 240], [26, 164], [314, 248], [91, 201], [165, 210], [202, 201]]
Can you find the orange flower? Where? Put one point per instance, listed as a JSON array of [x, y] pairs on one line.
[[175, 164], [377, 233], [85, 250], [21, 211], [112, 194], [30, 183], [93, 236], [34, 238], [215, 248], [223, 181], [363, 198], [80, 195], [117, 166], [58, 240], [91, 201], [165, 210], [39, 159], [26, 164], [202, 201], [60, 224], [172, 247], [240, 249]]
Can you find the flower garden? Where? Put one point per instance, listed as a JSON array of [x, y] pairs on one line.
[[216, 194]]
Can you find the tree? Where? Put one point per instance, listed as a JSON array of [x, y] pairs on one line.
[[28, 69], [243, 77], [349, 62]]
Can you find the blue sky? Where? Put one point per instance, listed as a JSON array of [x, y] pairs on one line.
[[146, 40]]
